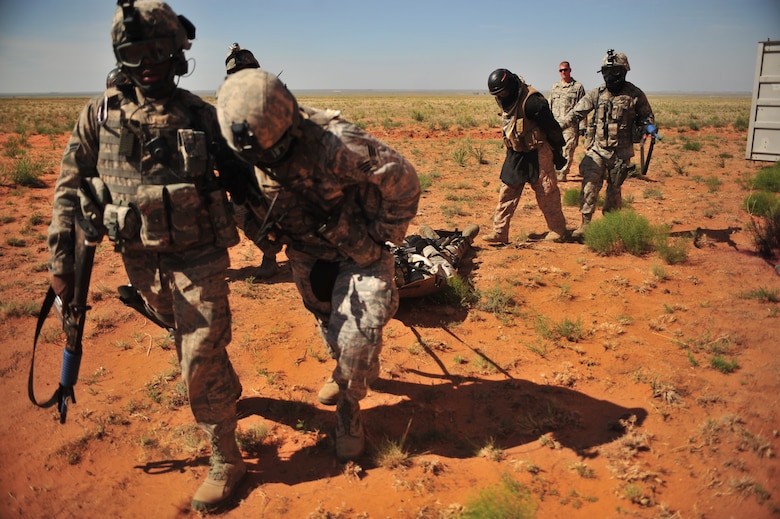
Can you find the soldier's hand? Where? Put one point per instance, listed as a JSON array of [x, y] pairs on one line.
[[63, 287]]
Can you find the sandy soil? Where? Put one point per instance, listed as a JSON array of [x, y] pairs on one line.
[[630, 420]]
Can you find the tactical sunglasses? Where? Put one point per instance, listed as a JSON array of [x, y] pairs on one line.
[[158, 50]]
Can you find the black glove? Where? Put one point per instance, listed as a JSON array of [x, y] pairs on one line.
[[559, 159], [582, 132]]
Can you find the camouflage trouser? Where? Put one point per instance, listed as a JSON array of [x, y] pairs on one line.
[[190, 289], [572, 136], [351, 322], [594, 170], [548, 196]]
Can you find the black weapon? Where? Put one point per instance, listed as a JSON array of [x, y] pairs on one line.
[[73, 313], [652, 132]]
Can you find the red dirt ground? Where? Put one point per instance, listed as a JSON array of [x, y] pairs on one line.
[[631, 420]]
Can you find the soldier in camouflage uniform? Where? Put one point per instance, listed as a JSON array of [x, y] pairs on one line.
[[533, 142], [335, 196], [146, 152], [622, 114], [563, 96], [237, 59]]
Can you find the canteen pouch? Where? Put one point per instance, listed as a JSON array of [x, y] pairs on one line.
[[222, 221], [185, 210], [155, 227], [193, 152], [121, 222]]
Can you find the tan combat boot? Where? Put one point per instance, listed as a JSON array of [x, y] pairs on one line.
[[495, 237], [226, 472], [579, 233], [330, 392], [350, 436]]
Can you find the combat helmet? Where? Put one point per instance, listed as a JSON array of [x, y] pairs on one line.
[[614, 59], [239, 59], [150, 29], [501, 80], [258, 115]]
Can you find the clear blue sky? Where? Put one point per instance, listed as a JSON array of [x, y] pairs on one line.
[[672, 45]]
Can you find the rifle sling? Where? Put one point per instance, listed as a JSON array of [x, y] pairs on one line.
[[48, 301]]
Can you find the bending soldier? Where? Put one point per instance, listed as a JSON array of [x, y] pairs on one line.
[[334, 195]]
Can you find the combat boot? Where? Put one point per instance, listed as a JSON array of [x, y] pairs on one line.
[[555, 237], [350, 436], [330, 392], [498, 238], [470, 232], [226, 472], [427, 232], [267, 269], [579, 233]]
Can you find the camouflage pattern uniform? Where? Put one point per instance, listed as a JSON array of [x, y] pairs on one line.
[[334, 195], [614, 119], [150, 164], [353, 179], [522, 135], [563, 97]]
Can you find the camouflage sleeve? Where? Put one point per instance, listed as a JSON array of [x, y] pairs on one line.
[[390, 190], [581, 110], [643, 109], [583, 125], [78, 161], [399, 187]]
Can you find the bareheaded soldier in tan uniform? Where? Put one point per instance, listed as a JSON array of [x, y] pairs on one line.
[[621, 114], [533, 142], [147, 152], [335, 196], [563, 96]]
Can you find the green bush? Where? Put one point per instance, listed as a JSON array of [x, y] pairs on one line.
[[507, 500], [767, 179], [761, 203], [672, 251], [620, 231], [571, 198]]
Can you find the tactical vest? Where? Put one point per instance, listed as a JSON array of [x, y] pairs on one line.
[[614, 118], [520, 133], [155, 162]]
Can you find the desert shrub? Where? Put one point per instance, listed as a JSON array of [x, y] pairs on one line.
[[766, 232], [457, 292], [620, 231], [741, 123], [767, 179], [571, 198], [25, 172], [425, 181], [507, 499], [692, 145], [713, 183], [761, 203], [672, 250]]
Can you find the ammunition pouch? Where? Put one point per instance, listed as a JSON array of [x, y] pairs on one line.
[[171, 217], [619, 172]]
